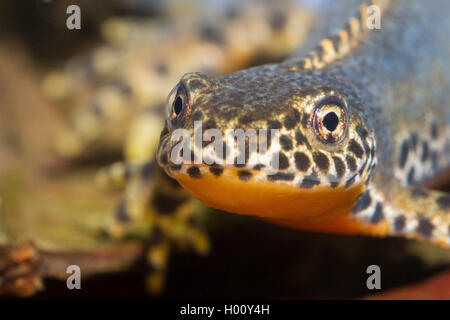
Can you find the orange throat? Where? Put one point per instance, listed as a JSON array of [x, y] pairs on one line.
[[318, 209]]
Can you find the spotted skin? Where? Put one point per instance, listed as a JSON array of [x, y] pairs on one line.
[[394, 132]]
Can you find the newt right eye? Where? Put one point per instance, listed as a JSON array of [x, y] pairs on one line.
[[177, 106], [331, 120]]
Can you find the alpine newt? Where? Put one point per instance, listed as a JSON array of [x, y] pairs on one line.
[[363, 121]]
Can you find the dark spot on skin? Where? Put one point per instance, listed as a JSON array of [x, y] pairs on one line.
[[425, 151], [434, 130], [334, 184], [351, 163], [321, 161], [362, 132], [309, 182], [162, 68], [302, 161], [425, 228], [286, 142], [399, 223], [194, 172], [212, 34], [404, 149], [350, 182], [280, 176], [339, 166], [245, 120], [216, 170], [244, 175], [273, 124], [410, 178], [413, 139], [301, 139], [420, 193], [277, 20], [378, 216], [258, 167], [444, 202], [121, 212], [175, 167], [355, 148], [291, 120], [362, 203], [197, 116], [283, 161]]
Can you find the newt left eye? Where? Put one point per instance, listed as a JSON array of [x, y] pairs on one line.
[[330, 121], [177, 105]]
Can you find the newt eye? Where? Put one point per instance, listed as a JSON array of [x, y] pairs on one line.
[[330, 121], [177, 105]]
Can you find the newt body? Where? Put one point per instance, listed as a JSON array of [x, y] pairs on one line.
[[363, 119]]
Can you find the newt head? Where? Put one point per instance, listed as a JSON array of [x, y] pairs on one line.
[[278, 145]]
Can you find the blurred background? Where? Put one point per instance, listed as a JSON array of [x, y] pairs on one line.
[[121, 64]]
